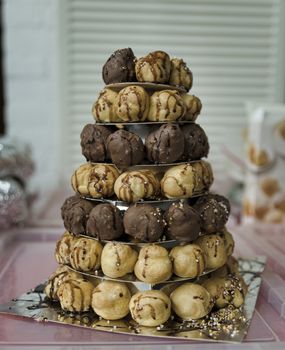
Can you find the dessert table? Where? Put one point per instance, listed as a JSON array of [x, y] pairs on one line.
[[26, 259]]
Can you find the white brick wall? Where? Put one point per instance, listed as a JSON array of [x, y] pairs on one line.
[[30, 49]]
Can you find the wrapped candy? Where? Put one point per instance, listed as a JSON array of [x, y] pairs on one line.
[[16, 166], [13, 203], [15, 159]]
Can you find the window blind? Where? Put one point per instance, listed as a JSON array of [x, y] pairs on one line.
[[233, 48]]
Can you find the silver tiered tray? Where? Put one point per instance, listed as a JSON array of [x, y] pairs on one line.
[[225, 325], [148, 86]]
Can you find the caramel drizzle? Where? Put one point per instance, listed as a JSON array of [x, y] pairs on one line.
[[100, 182], [154, 59], [73, 285], [54, 283], [138, 307], [118, 259]]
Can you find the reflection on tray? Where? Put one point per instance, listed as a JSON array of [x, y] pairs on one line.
[[226, 325]]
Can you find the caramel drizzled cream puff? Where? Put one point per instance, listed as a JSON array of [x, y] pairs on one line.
[[132, 104], [86, 254], [132, 186], [150, 308], [166, 105], [153, 68], [95, 180]]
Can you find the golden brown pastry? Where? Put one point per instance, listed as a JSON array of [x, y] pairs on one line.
[[86, 254], [215, 251], [191, 301], [95, 180], [225, 291], [110, 300], [228, 240], [188, 260], [150, 308], [153, 68], [61, 274], [103, 110], [153, 264], [193, 107], [118, 259], [182, 181], [178, 182], [230, 268], [75, 295], [180, 74], [132, 186], [132, 104], [203, 175], [166, 105], [63, 248]]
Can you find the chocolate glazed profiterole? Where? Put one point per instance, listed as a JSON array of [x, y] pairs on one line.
[[120, 67], [75, 212], [165, 145], [93, 142], [125, 148]]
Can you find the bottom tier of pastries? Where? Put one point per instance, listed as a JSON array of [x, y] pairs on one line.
[[113, 300]]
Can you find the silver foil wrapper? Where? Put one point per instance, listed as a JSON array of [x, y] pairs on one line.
[[13, 203], [15, 159]]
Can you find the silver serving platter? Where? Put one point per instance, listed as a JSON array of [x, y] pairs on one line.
[[145, 85], [156, 167], [137, 284], [226, 325], [142, 129], [159, 203]]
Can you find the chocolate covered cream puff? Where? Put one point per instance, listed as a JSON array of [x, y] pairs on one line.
[[105, 222], [165, 145], [93, 142], [183, 223], [144, 222], [214, 211], [125, 148], [196, 142], [120, 67], [75, 213]]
